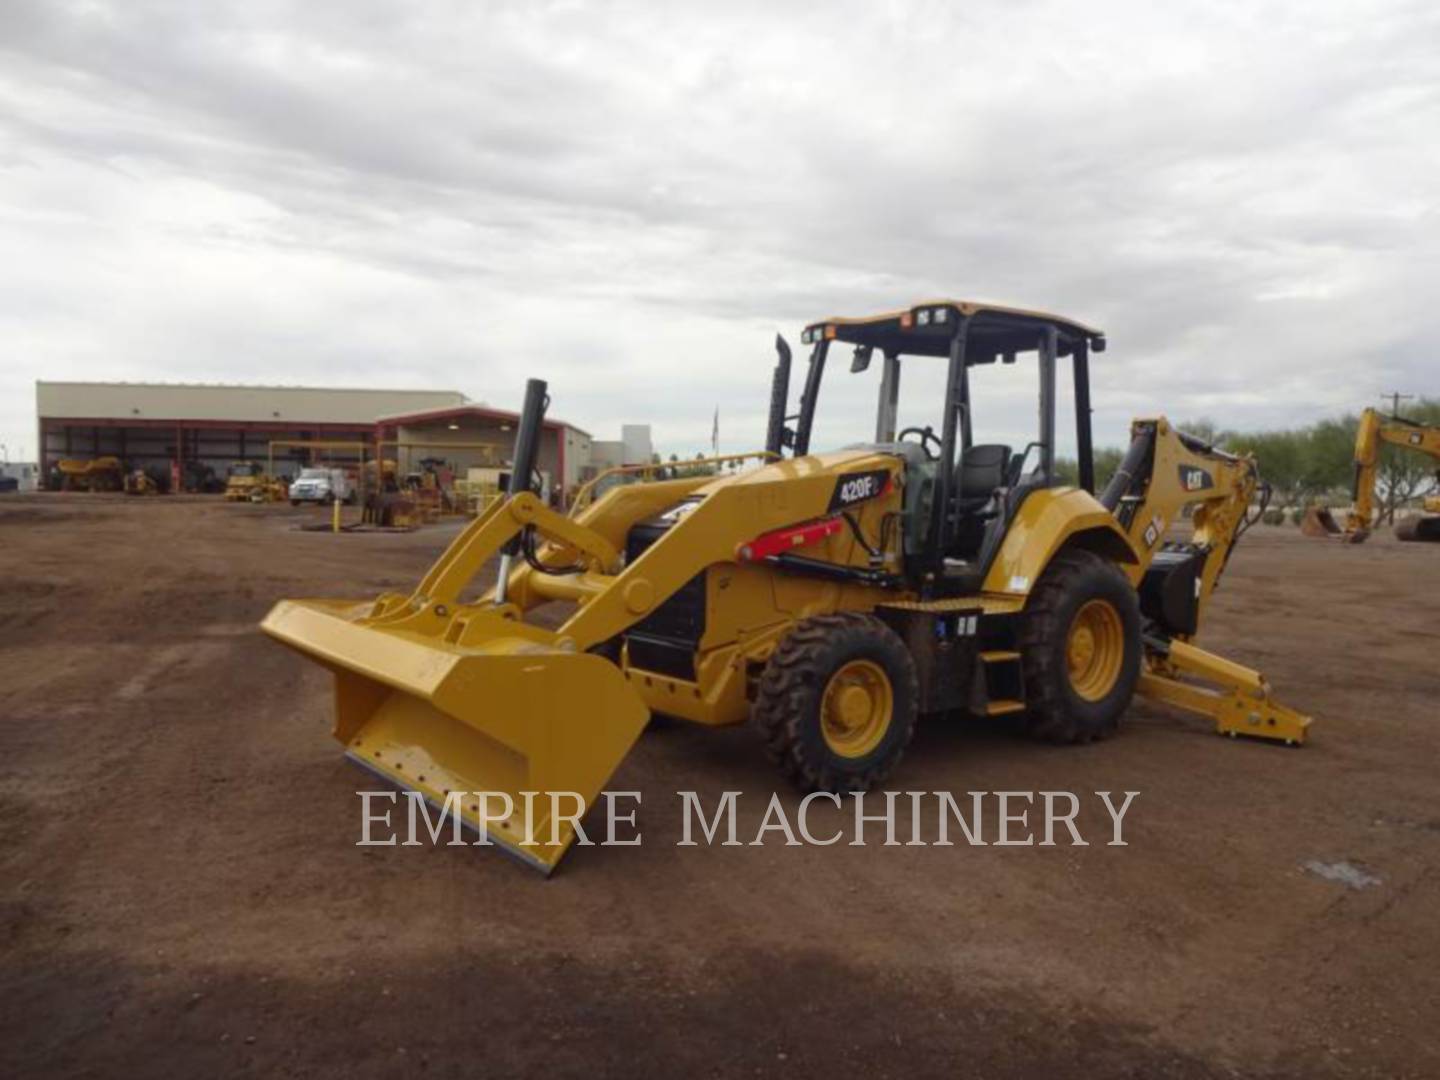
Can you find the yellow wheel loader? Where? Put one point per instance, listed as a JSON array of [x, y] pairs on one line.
[[830, 599], [1373, 432]]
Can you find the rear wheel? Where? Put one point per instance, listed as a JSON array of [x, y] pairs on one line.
[[836, 703], [1080, 649]]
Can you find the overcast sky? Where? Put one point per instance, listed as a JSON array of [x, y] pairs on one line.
[[632, 199]]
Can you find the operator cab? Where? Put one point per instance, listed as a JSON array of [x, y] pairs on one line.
[[960, 495]]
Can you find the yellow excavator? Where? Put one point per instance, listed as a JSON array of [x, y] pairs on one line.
[[1373, 432], [830, 599]]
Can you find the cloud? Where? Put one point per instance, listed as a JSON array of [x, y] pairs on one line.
[[632, 199]]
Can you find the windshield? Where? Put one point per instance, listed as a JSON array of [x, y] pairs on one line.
[[244, 469], [1003, 400], [314, 474]]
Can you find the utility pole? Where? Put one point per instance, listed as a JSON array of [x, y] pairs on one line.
[[1395, 398]]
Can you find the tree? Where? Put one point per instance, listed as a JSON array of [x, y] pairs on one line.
[[1282, 457], [1107, 460]]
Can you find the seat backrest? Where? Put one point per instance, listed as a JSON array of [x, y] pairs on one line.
[[982, 469]]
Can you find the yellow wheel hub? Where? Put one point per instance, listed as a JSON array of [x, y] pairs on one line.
[[1095, 649], [856, 709]]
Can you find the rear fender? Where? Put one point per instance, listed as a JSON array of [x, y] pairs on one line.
[[1048, 522]]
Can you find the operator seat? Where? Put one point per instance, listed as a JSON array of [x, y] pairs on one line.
[[981, 470], [980, 476]]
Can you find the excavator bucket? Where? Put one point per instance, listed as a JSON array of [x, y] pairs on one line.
[[1319, 521], [514, 735]]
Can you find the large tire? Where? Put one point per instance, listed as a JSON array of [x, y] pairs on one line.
[[836, 703], [1422, 529], [1080, 649]]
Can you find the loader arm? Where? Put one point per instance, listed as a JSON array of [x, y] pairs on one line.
[[1373, 432], [1163, 472]]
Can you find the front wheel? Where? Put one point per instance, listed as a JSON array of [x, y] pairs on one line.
[[836, 703], [1080, 649]]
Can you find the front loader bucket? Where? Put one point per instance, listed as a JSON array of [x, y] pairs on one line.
[[1319, 521], [509, 715]]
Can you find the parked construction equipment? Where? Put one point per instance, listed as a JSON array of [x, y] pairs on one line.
[[1373, 432], [141, 482], [830, 598], [386, 506], [241, 479], [90, 474], [247, 481]]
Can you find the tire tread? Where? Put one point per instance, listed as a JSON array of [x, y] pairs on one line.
[[794, 676]]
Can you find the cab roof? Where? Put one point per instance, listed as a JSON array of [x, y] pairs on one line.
[[925, 329]]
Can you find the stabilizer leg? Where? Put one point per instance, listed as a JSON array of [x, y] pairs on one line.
[[1239, 699]]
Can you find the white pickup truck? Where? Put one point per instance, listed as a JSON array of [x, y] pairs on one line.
[[321, 486]]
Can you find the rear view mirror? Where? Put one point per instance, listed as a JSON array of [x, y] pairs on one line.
[[861, 360]]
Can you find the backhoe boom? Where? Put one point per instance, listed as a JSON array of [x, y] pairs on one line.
[[1165, 471]]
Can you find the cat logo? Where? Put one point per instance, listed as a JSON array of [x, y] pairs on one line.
[[857, 487], [1193, 479]]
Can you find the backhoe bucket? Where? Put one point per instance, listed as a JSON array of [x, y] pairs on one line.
[[1319, 521], [474, 727]]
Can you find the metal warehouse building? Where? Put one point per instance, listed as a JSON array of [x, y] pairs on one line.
[[175, 425], [179, 427]]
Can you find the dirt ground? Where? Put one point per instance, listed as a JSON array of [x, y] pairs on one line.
[[181, 894]]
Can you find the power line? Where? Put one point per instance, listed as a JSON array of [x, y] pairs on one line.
[[1396, 398]]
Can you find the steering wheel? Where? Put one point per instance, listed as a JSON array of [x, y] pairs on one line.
[[927, 436]]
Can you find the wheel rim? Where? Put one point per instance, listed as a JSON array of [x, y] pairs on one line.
[[1095, 649], [856, 708]]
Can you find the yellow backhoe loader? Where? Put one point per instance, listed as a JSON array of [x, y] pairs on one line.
[[828, 598], [1373, 432]]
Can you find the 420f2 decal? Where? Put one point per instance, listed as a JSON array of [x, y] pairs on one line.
[[854, 488]]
